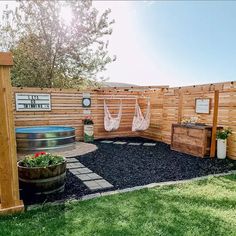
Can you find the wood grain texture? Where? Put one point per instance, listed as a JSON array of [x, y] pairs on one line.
[[215, 120], [9, 186], [6, 59], [193, 140]]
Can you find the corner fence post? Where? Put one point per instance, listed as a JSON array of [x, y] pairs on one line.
[[180, 107], [214, 128], [9, 186]]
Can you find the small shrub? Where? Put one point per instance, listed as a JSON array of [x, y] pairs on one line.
[[191, 120], [224, 133], [41, 159]]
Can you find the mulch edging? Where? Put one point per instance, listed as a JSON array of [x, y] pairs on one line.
[[126, 190]]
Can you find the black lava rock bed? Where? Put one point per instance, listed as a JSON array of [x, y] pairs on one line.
[[127, 166]]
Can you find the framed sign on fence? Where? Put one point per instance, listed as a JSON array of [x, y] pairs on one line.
[[33, 102], [202, 105]]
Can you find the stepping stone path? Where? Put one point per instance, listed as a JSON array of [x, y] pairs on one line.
[[131, 144], [120, 143], [71, 160], [106, 141], [149, 144], [134, 144], [92, 180]]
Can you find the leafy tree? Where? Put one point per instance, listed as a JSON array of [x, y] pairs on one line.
[[49, 52]]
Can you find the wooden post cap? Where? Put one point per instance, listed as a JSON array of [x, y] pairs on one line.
[[6, 59]]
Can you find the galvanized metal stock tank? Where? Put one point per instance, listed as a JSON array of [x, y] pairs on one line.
[[44, 138]]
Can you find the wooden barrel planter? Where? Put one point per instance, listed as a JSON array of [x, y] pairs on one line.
[[42, 180]]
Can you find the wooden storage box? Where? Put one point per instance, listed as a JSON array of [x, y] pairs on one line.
[[191, 139]]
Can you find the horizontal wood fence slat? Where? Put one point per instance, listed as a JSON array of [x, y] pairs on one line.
[[165, 109]]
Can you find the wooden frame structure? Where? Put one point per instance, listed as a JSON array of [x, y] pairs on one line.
[[9, 187]]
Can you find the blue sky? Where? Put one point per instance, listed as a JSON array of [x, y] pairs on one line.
[[194, 40], [186, 42]]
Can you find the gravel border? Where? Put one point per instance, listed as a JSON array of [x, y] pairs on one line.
[[126, 190]]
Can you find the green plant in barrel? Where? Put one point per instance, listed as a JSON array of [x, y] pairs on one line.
[[42, 159]]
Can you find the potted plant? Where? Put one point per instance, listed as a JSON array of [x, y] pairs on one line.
[[42, 173], [88, 130], [222, 136], [190, 121]]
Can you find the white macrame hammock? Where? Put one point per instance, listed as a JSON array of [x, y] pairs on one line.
[[141, 123], [111, 123]]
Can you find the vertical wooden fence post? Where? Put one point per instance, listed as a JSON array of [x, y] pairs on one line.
[[214, 127], [9, 187], [180, 107]]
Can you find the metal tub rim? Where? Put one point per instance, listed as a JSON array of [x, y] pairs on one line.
[[44, 139], [48, 128], [44, 132]]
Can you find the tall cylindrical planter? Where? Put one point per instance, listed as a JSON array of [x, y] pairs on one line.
[[88, 133], [221, 148]]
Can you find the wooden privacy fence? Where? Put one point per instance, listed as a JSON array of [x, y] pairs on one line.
[[178, 103], [168, 105], [67, 110]]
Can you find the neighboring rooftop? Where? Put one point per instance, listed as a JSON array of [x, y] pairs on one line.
[[116, 84]]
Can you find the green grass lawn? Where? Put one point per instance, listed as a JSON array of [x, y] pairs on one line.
[[206, 207]]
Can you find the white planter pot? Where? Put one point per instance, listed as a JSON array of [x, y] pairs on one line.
[[221, 148]]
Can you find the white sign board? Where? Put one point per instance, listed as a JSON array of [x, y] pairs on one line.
[[33, 102], [86, 95], [202, 106]]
